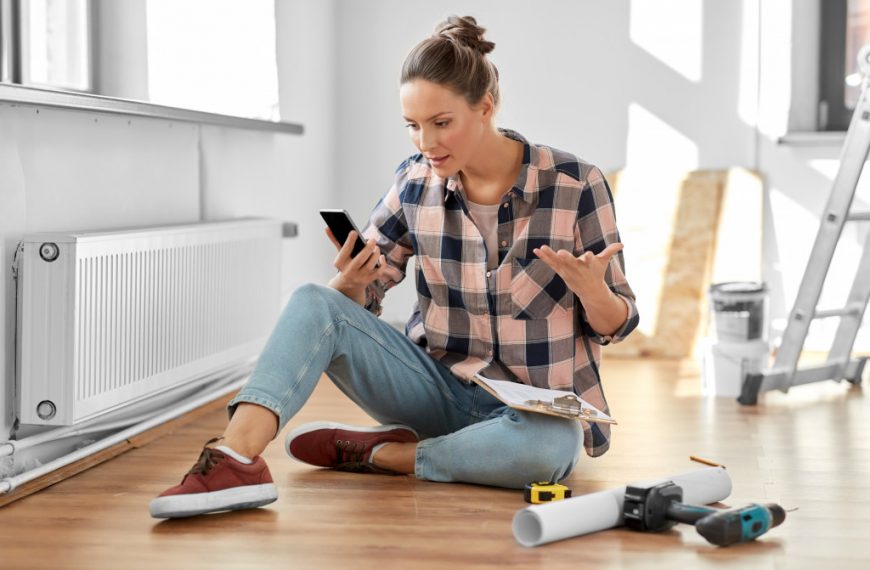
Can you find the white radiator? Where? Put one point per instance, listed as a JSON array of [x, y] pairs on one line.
[[107, 319]]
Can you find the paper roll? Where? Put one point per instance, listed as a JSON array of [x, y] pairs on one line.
[[540, 524]]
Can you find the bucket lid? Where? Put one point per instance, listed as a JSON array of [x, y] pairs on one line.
[[738, 287]]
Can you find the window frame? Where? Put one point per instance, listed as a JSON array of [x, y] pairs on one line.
[[13, 52], [10, 34], [834, 115]]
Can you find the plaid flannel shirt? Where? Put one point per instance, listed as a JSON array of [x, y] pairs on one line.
[[519, 321]]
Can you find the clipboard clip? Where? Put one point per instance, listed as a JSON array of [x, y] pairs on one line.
[[568, 405]]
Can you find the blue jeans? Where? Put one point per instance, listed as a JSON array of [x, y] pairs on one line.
[[466, 434]]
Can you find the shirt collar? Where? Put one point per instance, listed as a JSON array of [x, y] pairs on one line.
[[520, 187]]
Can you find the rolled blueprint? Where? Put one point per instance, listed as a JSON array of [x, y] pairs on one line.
[[540, 524]]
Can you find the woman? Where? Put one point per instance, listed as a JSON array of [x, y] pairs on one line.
[[519, 277]]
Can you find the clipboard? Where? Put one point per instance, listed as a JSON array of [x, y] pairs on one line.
[[558, 403]]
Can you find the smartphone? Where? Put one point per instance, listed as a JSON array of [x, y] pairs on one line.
[[341, 225]]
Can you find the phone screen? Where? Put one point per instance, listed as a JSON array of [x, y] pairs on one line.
[[341, 225]]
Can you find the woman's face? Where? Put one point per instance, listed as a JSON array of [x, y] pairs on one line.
[[442, 125]]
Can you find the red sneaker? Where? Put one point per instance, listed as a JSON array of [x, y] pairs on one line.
[[344, 447], [217, 483]]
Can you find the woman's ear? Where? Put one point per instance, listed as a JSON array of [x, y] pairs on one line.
[[487, 107]]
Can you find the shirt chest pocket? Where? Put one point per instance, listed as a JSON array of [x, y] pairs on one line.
[[537, 291]]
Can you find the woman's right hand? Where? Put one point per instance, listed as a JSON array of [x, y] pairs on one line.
[[355, 273]]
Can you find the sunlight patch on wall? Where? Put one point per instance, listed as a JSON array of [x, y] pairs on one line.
[[775, 79], [654, 144], [671, 31], [747, 96], [827, 167], [214, 55], [658, 158], [788, 215]]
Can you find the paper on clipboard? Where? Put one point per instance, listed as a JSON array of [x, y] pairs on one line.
[[553, 402]]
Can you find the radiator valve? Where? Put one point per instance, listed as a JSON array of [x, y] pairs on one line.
[[49, 251], [46, 409]]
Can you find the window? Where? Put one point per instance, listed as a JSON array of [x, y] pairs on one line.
[[213, 55], [845, 29], [54, 43], [216, 56]]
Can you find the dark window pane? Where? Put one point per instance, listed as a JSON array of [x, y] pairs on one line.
[[857, 34]]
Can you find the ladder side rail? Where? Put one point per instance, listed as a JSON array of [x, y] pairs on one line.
[[852, 158], [847, 330]]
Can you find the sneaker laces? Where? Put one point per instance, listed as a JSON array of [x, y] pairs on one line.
[[207, 459], [349, 457]]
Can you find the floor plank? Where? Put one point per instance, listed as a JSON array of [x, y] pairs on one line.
[[807, 449]]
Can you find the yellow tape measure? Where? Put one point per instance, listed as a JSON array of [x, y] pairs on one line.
[[544, 492]]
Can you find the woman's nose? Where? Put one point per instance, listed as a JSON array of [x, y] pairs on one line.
[[428, 140]]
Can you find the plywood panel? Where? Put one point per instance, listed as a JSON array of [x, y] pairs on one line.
[[677, 233]]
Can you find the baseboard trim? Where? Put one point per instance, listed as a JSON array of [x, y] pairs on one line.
[[133, 442]]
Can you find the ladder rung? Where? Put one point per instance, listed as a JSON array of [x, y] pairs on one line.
[[845, 311], [859, 217]]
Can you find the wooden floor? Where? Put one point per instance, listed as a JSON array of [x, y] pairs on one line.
[[809, 449]]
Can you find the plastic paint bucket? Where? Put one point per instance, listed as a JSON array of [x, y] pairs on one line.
[[739, 311], [726, 365]]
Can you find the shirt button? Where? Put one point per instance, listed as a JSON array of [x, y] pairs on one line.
[[504, 244], [489, 273], [505, 205]]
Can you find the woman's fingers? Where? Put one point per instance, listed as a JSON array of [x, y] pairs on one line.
[[331, 237], [363, 258], [360, 268], [549, 257], [610, 251], [343, 257], [371, 263]]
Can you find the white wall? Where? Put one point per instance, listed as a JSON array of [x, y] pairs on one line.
[[604, 80], [645, 85]]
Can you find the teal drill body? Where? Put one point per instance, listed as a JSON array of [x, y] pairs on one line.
[[658, 508]]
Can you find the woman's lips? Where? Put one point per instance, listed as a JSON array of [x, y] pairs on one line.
[[438, 160]]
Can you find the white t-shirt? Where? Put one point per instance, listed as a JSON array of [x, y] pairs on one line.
[[485, 217]]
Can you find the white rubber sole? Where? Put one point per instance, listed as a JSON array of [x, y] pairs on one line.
[[305, 428], [235, 498]]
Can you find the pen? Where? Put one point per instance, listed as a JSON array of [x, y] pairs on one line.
[[705, 461]]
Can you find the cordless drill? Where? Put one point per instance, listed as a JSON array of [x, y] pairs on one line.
[[658, 508]]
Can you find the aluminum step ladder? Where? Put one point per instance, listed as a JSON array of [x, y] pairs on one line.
[[840, 365]]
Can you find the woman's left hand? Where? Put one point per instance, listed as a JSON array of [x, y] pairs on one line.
[[582, 274]]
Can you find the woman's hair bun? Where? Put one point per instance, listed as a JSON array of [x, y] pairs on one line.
[[464, 30]]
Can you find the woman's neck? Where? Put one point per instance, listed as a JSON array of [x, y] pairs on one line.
[[493, 169]]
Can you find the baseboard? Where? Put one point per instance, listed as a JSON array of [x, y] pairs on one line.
[[138, 440]]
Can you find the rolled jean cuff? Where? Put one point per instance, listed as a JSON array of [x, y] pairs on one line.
[[253, 396], [420, 461]]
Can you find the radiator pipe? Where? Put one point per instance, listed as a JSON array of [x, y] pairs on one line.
[[13, 446], [10, 484]]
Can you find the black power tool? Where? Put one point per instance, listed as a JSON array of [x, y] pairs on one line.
[[658, 508]]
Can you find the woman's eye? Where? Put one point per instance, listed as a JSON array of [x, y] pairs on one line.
[[411, 126], [442, 123]]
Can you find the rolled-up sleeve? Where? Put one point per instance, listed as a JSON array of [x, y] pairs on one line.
[[387, 226], [596, 229]]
